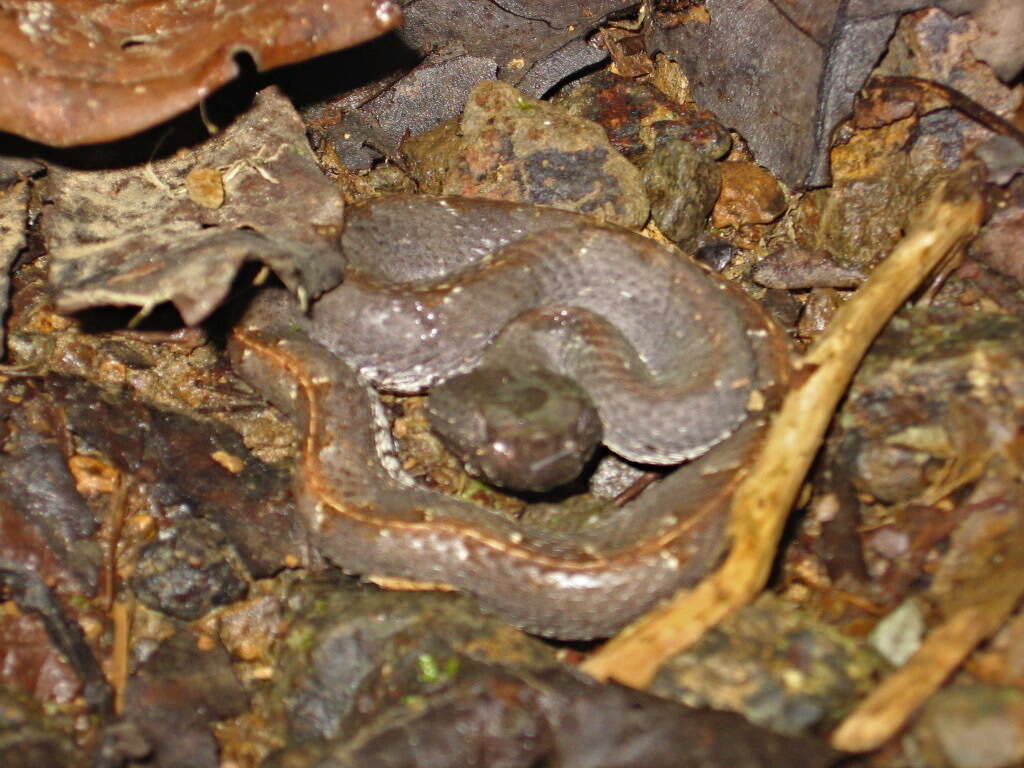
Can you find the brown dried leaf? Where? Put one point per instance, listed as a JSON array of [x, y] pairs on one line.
[[785, 98], [135, 236], [555, 718], [535, 43], [82, 71], [559, 13], [45, 525], [985, 561]]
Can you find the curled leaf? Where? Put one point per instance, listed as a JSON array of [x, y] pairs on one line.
[[83, 71]]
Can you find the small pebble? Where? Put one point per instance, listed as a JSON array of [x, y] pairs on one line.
[[793, 267], [750, 195], [682, 187], [898, 636], [715, 253]]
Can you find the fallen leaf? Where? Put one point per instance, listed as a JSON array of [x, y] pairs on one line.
[[135, 236], [84, 71]]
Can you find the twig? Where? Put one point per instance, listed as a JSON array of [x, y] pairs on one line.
[[984, 598], [117, 610], [886, 710], [116, 506], [120, 615], [763, 500]]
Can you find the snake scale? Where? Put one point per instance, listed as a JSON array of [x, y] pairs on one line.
[[678, 364]]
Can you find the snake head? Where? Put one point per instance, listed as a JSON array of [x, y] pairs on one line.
[[525, 430]]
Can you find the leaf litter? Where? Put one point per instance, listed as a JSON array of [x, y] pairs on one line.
[[912, 503]]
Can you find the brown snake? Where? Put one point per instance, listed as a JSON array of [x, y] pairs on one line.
[[371, 519]]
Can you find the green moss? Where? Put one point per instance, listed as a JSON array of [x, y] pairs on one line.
[[301, 638], [432, 670]]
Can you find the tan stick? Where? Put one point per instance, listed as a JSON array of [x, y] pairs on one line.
[[120, 613], [761, 504], [882, 714], [989, 584]]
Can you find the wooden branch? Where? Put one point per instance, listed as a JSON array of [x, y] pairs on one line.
[[943, 224], [120, 614], [888, 708]]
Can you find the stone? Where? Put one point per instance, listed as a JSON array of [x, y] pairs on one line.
[[750, 195], [522, 149]]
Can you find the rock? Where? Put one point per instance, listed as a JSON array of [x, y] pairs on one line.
[[783, 307], [682, 187], [715, 253], [346, 649], [817, 312], [859, 220], [1001, 28], [174, 696], [188, 573], [613, 476], [776, 666], [794, 268], [521, 149], [1003, 157], [999, 243], [389, 180], [898, 635], [973, 726], [431, 154], [750, 195], [637, 116]]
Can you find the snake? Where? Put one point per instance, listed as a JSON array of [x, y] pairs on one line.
[[677, 363]]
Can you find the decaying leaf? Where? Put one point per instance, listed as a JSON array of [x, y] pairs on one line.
[[82, 71], [136, 236], [785, 98], [535, 43]]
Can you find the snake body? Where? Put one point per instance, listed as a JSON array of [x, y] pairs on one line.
[[670, 355]]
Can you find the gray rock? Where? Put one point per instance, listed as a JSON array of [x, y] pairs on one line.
[[521, 149], [682, 186]]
